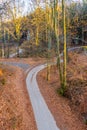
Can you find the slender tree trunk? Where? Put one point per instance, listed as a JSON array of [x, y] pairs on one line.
[[8, 37], [48, 39], [48, 67], [49, 54], [37, 36], [64, 41], [8, 51], [37, 26], [3, 50], [58, 43], [4, 43], [17, 47]]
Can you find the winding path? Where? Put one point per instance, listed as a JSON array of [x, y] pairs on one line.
[[43, 116]]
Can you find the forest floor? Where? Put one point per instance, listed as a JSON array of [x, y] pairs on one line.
[[15, 108], [70, 111]]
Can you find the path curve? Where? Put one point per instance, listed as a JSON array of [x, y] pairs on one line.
[[43, 116]]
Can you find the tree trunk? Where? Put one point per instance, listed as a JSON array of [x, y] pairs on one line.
[[64, 41], [58, 42]]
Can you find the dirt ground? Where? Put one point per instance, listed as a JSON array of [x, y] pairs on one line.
[[15, 108], [70, 111]]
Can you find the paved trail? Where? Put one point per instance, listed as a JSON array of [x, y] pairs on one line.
[[18, 64], [43, 116]]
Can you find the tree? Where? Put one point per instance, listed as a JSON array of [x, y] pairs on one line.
[[48, 38], [57, 11], [64, 41], [14, 13], [2, 28]]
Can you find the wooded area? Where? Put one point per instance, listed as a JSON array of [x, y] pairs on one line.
[[15, 25], [47, 30], [52, 33]]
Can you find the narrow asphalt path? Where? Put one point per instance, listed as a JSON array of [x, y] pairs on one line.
[[23, 66], [43, 116], [18, 64]]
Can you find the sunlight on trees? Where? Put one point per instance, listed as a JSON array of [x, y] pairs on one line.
[[52, 26]]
